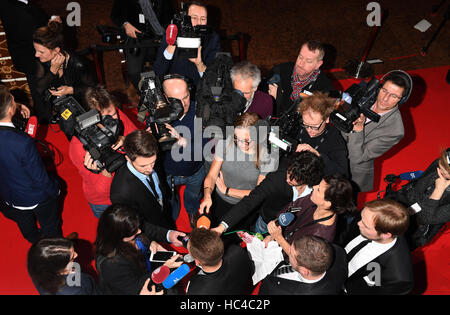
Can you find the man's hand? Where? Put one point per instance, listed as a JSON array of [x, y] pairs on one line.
[[173, 238], [90, 164], [145, 291], [358, 124], [130, 30], [171, 263], [306, 147], [201, 67], [62, 90], [119, 143], [219, 229], [24, 111], [273, 89], [180, 140]]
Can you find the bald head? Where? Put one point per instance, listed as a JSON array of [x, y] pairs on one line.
[[178, 88]]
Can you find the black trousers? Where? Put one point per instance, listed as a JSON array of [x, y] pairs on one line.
[[45, 213]]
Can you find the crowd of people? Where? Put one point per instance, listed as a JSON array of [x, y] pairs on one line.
[[242, 185]]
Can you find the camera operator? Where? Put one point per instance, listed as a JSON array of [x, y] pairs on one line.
[[96, 186], [58, 72], [302, 77], [319, 137], [369, 140], [168, 59], [246, 78], [143, 22], [429, 197], [190, 171], [26, 190]]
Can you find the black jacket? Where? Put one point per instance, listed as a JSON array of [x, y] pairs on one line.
[[284, 91], [127, 189], [331, 283]]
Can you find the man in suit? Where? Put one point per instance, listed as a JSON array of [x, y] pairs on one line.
[[369, 140], [315, 267], [246, 78], [26, 190], [223, 271], [143, 21], [298, 80], [168, 59], [293, 179], [140, 183], [379, 260]]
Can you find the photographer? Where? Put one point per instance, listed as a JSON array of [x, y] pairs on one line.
[[189, 171], [370, 140], [246, 78], [96, 186], [143, 22], [58, 72], [299, 79], [429, 197], [168, 59], [316, 135], [27, 193]]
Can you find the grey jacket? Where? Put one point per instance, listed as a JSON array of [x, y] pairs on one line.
[[365, 146]]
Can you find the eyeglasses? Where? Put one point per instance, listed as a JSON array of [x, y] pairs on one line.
[[246, 142], [313, 127], [394, 96]]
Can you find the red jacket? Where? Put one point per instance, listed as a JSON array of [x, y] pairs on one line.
[[96, 187]]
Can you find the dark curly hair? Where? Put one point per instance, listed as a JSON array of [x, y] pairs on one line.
[[340, 193], [305, 168]]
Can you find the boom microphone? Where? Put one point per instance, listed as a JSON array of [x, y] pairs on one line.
[[158, 276], [176, 276], [171, 34]]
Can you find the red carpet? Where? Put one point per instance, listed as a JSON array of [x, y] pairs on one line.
[[427, 130]]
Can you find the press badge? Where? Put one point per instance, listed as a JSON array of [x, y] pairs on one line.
[[141, 18], [66, 114], [416, 207]]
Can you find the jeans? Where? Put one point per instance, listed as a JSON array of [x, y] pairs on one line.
[[46, 213], [192, 193], [98, 209], [260, 226]]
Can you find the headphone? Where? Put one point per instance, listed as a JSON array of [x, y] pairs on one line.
[[179, 76], [406, 79]]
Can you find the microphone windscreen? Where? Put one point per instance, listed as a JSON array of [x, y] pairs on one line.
[[32, 126], [171, 34], [160, 274], [410, 175], [188, 258], [176, 276], [203, 222], [286, 218]]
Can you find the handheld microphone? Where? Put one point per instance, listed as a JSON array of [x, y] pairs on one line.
[[158, 276], [176, 276], [171, 34], [188, 258], [203, 222], [184, 240], [410, 175], [285, 219], [31, 127]]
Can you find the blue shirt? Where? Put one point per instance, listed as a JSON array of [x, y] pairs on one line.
[[144, 179]]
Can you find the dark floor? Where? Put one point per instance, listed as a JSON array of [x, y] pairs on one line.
[[276, 30]]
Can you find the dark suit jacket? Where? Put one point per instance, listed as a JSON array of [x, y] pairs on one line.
[[129, 10], [396, 268], [128, 189], [270, 196], [24, 180], [332, 283], [284, 91]]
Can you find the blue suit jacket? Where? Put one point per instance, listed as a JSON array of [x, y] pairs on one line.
[[178, 65], [24, 180]]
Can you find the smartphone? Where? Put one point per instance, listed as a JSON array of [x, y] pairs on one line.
[[162, 256]]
